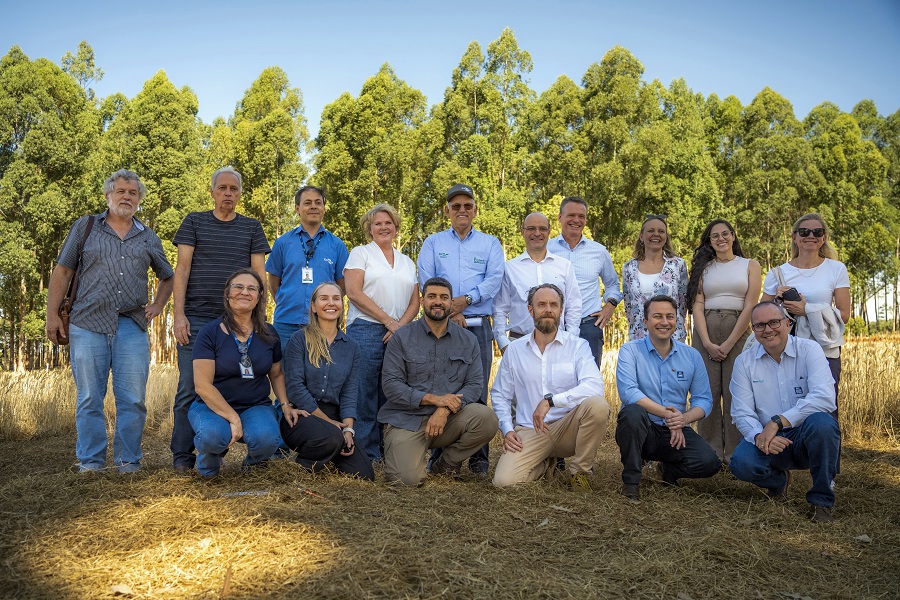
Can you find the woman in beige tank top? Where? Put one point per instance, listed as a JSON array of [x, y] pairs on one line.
[[723, 287]]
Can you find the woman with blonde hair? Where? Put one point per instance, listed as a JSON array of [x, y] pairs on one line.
[[321, 366], [723, 288], [814, 288], [654, 270], [381, 285]]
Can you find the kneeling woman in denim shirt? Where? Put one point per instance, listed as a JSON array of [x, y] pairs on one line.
[[321, 366], [236, 358]]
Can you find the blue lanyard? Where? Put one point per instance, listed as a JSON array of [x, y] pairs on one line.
[[311, 252], [238, 342]]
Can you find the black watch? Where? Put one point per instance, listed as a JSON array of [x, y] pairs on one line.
[[549, 399], [613, 301], [777, 420]]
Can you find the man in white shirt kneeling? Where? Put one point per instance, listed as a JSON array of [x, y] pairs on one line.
[[558, 391]]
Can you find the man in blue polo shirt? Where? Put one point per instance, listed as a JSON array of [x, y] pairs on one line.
[[592, 263], [300, 260], [472, 262], [654, 376]]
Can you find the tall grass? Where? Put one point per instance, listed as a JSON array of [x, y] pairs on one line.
[[43, 402]]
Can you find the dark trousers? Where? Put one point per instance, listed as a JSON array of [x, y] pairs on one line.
[[182, 444], [319, 443], [641, 439], [594, 337]]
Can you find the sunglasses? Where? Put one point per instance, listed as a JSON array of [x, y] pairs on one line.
[[660, 216], [805, 231]]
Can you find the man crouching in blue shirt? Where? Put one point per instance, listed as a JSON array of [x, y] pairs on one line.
[[654, 376], [782, 400]]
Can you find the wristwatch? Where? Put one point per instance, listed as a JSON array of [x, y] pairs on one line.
[[613, 301], [777, 420], [469, 300], [549, 399]]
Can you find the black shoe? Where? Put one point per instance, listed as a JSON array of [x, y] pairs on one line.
[[479, 467], [821, 514], [665, 474], [184, 469], [632, 492]]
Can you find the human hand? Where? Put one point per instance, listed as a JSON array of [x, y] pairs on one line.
[[459, 319], [151, 311], [182, 330], [603, 315], [349, 444], [676, 439], [675, 419], [54, 328], [537, 419], [512, 442], [237, 431], [452, 402], [436, 423]]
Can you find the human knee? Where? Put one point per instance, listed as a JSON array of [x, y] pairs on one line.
[[631, 415], [596, 405], [744, 464], [822, 424]]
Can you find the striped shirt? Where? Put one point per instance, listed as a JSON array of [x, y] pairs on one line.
[[220, 249], [113, 279], [591, 260]]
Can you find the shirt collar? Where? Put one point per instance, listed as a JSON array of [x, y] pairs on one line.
[[454, 234], [134, 220], [790, 349], [300, 231], [562, 241], [651, 349]]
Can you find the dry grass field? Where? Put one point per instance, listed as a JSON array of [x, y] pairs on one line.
[[281, 533]]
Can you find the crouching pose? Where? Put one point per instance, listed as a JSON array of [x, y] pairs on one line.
[[782, 399], [558, 391], [432, 380]]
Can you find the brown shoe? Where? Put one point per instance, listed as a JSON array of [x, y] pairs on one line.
[[781, 496], [580, 483], [632, 492], [442, 467], [821, 514]]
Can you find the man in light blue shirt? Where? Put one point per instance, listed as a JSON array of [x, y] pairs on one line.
[[654, 376], [782, 400], [472, 262], [591, 261], [300, 260]]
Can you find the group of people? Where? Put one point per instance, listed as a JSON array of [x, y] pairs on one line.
[[412, 394]]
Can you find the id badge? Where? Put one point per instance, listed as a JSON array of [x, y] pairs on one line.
[[306, 275], [247, 372]]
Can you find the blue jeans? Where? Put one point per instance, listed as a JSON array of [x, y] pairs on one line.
[[93, 355], [368, 336], [285, 331], [816, 446], [213, 434], [182, 444], [594, 337]]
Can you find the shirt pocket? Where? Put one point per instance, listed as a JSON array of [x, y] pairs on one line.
[[800, 388], [457, 367], [562, 376], [419, 369]]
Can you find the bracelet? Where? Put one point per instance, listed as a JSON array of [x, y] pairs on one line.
[[283, 404], [349, 429]]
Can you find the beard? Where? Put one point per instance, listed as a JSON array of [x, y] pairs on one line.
[[442, 315], [546, 324]]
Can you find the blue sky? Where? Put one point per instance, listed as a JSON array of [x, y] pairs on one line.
[[809, 52]]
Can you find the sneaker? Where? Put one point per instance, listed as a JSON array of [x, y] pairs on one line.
[[580, 483], [782, 494], [632, 492], [821, 514]]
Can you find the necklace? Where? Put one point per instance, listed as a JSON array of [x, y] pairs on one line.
[[801, 269]]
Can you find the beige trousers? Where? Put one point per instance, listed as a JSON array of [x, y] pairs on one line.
[[576, 435], [405, 456]]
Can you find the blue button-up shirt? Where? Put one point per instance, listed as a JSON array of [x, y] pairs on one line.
[[798, 386], [643, 373], [591, 260], [473, 266], [287, 260], [335, 383]]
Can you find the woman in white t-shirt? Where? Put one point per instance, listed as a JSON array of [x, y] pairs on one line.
[[723, 288], [381, 286], [824, 286], [654, 271]]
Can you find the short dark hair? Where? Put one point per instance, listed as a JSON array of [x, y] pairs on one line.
[[548, 286], [574, 199], [659, 298], [308, 188], [438, 281], [780, 308]]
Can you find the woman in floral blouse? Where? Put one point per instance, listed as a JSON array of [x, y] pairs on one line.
[[654, 270]]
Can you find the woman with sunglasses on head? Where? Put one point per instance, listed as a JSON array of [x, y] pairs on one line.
[[321, 365], [381, 286], [821, 305], [723, 288], [237, 363], [654, 271]]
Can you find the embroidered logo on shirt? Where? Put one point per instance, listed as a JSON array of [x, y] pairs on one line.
[[329, 261], [443, 254], [798, 390], [679, 375], [479, 261]]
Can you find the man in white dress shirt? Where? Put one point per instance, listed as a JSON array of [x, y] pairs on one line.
[[592, 263], [533, 267], [558, 390], [782, 400]]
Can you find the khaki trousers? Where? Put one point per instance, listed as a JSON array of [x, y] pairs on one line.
[[717, 428], [576, 435], [465, 432]]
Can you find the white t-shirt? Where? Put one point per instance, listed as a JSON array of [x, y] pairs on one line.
[[817, 284], [647, 281], [388, 287]]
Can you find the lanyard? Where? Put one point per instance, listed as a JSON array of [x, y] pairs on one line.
[[246, 348], [311, 251]]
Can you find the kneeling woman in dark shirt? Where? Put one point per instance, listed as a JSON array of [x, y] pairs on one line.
[[321, 369], [236, 358]]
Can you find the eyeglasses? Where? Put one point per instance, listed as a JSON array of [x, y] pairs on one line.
[[774, 324], [532, 229], [240, 288], [805, 231], [720, 236], [468, 206]]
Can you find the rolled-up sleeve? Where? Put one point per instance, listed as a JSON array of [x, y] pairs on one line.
[[701, 395]]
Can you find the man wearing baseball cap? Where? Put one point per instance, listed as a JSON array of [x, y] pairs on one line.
[[472, 262]]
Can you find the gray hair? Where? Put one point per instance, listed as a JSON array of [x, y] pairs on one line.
[[227, 169], [127, 175]]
